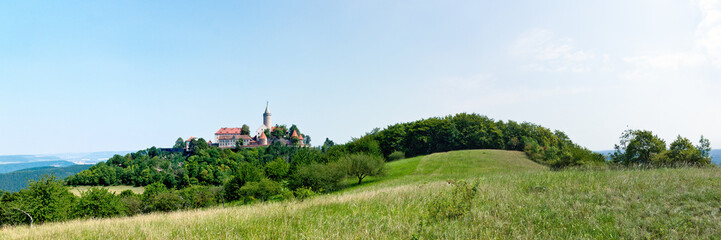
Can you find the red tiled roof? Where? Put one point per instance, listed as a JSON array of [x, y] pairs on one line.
[[191, 138], [295, 134], [229, 131], [262, 136]]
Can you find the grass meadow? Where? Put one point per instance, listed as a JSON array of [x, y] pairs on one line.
[[515, 199]]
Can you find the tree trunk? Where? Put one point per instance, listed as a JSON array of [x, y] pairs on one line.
[[31, 217]]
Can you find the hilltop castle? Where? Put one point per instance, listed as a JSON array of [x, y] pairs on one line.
[[227, 137]]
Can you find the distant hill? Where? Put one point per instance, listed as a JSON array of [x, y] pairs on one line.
[[88, 157], [15, 166], [14, 181], [10, 163], [27, 158], [716, 156]]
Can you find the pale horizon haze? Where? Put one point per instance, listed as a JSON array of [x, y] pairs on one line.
[[79, 76]]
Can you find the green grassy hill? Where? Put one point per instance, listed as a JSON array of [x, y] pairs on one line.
[[516, 199]]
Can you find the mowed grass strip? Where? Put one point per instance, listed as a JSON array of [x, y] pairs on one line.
[[448, 165], [114, 189], [534, 204]]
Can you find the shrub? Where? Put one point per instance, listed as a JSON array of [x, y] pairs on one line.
[[277, 169], [261, 190], [199, 196], [132, 204], [304, 193], [126, 193], [397, 155], [99, 203], [453, 204], [318, 177], [46, 200], [243, 174], [152, 190], [285, 194], [165, 202]]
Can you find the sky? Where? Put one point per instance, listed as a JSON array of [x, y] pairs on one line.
[[80, 76]]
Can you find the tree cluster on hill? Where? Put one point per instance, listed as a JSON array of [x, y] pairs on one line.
[[473, 131], [203, 165], [642, 147], [205, 177]]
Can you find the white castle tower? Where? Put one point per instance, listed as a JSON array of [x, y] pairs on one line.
[[266, 117], [266, 122]]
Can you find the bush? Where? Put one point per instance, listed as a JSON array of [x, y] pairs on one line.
[[261, 190], [243, 174], [46, 200], [99, 203], [277, 169], [158, 198], [397, 155], [132, 204], [285, 194], [199, 196], [453, 204], [165, 202], [304, 193], [318, 177], [126, 193], [152, 190]]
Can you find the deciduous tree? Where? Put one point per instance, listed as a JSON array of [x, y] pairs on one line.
[[637, 147], [179, 144], [361, 165]]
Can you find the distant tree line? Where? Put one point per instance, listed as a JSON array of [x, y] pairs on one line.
[[642, 147]]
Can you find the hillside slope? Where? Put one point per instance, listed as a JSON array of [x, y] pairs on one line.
[[450, 165], [517, 199], [14, 181]]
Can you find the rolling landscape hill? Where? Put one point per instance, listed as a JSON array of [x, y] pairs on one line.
[[421, 197], [14, 181], [12, 167], [11, 163], [16, 170]]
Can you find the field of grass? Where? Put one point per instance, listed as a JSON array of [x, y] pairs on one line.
[[516, 199], [115, 189]]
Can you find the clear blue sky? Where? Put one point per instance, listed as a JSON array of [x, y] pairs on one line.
[[79, 76]]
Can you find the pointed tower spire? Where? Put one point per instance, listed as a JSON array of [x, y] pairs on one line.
[[267, 116]]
